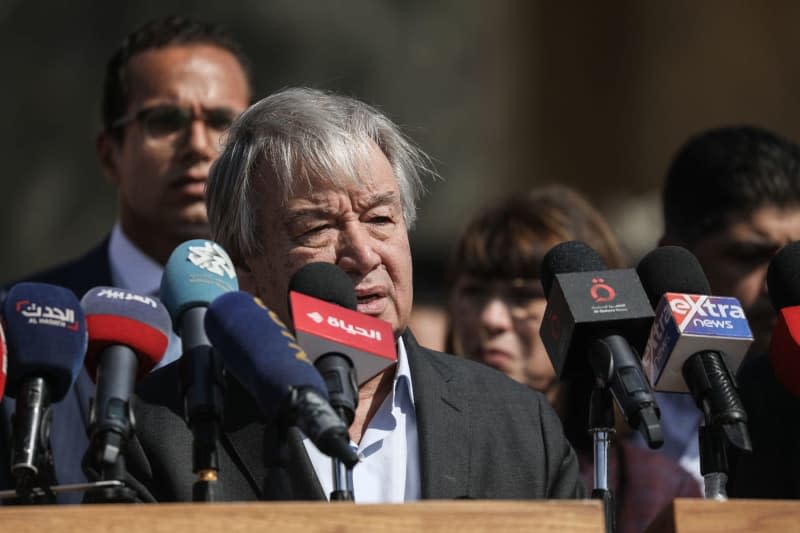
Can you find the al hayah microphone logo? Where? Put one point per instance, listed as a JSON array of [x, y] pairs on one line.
[[600, 292], [213, 258], [316, 317]]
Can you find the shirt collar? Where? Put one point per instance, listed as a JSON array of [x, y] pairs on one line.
[[130, 267], [403, 372]]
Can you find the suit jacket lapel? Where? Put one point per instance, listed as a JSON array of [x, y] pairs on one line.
[[273, 460], [442, 425]]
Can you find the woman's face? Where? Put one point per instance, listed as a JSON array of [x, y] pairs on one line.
[[497, 323]]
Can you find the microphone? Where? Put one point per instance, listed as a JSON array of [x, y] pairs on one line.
[[697, 341], [326, 281], [783, 285], [590, 315], [323, 302], [197, 272], [265, 358], [46, 336], [128, 336], [3, 362]]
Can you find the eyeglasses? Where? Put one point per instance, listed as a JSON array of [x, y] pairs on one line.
[[164, 120]]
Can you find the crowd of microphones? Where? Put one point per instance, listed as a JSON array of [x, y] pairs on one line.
[[120, 336], [625, 332]]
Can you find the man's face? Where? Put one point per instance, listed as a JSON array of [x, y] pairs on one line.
[[359, 228], [736, 260], [161, 177]]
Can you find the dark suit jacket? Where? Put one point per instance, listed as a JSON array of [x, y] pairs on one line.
[[481, 435], [772, 469], [68, 433]]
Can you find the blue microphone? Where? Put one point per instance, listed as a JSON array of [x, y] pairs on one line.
[[265, 358], [197, 272], [46, 339]]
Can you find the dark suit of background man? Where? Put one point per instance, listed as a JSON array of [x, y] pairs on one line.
[[307, 176], [171, 89]]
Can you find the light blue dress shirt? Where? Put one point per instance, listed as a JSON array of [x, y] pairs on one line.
[[135, 271]]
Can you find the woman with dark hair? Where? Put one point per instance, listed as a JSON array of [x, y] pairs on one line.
[[496, 308]]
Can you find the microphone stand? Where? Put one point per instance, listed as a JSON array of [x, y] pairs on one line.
[[203, 384], [601, 427], [339, 375], [713, 388], [32, 458]]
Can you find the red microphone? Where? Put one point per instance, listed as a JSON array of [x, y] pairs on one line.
[[3, 362], [128, 336], [322, 328]]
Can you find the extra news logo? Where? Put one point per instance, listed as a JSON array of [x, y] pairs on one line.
[[46, 315], [702, 312]]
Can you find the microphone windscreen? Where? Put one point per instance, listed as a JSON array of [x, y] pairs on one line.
[[45, 335], [3, 363], [259, 351], [325, 281], [120, 317], [197, 272], [671, 269], [567, 257], [783, 277]]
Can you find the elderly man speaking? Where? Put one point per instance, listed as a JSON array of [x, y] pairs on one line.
[[308, 176]]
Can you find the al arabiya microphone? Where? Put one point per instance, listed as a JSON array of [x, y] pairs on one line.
[[265, 358], [197, 272], [128, 336], [46, 339], [592, 316], [783, 285]]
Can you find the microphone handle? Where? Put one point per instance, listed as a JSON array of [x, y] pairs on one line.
[[31, 436], [613, 359], [713, 387], [340, 378]]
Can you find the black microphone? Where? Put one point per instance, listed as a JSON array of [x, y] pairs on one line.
[[46, 336], [326, 281], [591, 314]]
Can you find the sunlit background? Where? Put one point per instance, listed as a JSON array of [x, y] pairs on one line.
[[504, 95]]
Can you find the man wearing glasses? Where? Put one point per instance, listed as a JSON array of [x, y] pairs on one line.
[[171, 90]]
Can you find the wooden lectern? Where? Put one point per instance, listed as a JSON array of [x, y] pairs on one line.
[[685, 515], [464, 516]]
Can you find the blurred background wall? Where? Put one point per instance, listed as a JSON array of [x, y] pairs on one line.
[[504, 95]]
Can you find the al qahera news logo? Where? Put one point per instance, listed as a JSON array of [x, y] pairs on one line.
[[213, 258], [47, 315], [604, 295]]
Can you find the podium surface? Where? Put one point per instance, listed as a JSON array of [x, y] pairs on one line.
[[465, 516], [687, 515]]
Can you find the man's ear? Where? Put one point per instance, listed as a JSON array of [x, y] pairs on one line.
[[108, 148], [244, 275]]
